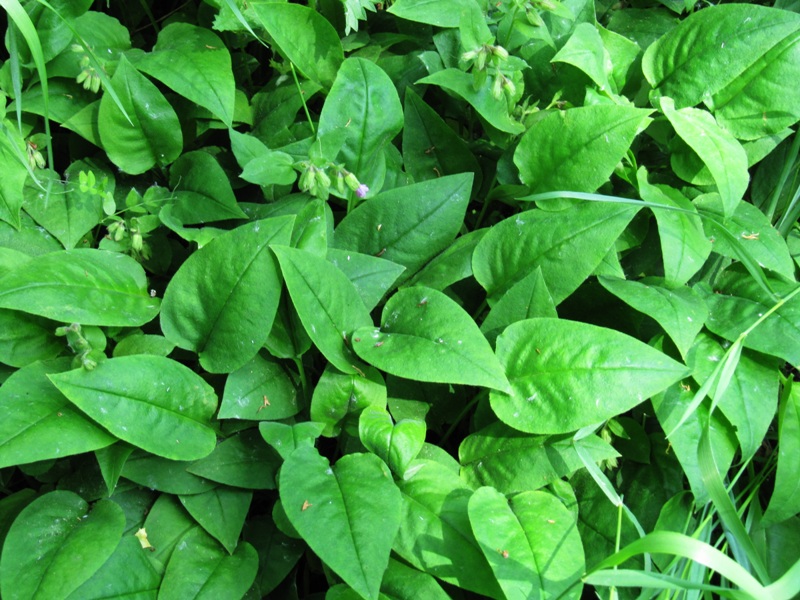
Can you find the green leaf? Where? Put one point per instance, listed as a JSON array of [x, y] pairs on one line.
[[577, 149], [585, 50], [242, 460], [460, 83], [397, 444], [15, 174], [785, 500], [348, 514], [24, 339], [277, 553], [718, 149], [684, 245], [151, 402], [305, 37], [741, 302], [111, 460], [372, 277], [39, 423], [286, 438], [164, 475], [328, 304], [259, 390], [566, 375], [338, 395], [221, 512], [493, 455], [680, 311], [426, 336], [128, 573], [39, 554], [568, 245], [88, 286], [440, 13], [141, 343], [364, 103], [435, 535], [712, 49], [430, 146], [531, 543], [196, 64], [408, 225], [151, 137], [228, 317], [452, 264], [167, 522], [199, 568], [202, 190]]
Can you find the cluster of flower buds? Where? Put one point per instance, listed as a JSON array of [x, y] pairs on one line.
[[120, 232], [503, 85], [78, 344], [485, 54], [88, 77], [317, 181], [35, 156]]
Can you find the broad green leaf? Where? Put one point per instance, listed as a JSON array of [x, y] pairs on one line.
[[531, 543], [202, 191], [277, 553], [566, 375], [167, 522], [397, 444], [39, 554], [128, 573], [408, 225], [111, 460], [684, 245], [451, 265], [200, 569], [227, 318], [364, 103], [750, 400], [785, 500], [493, 455], [196, 64], [526, 299], [142, 343], [271, 168], [28, 238], [14, 175], [741, 302], [568, 245], [164, 475], [285, 438], [432, 12], [328, 304], [259, 390], [349, 514], [426, 336], [153, 134], [718, 149], [311, 228], [88, 286], [753, 232], [338, 395], [624, 53], [712, 49], [460, 83], [221, 512], [585, 50], [577, 149], [242, 460], [24, 339], [305, 37], [39, 423], [680, 311], [430, 146], [151, 402], [435, 535], [372, 277]]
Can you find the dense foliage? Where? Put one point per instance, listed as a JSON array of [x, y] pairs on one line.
[[402, 300]]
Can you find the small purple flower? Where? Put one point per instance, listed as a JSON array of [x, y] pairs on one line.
[[361, 191]]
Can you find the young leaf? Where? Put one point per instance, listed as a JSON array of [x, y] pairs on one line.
[[87, 286], [338, 395], [567, 245], [426, 336], [408, 225], [227, 318], [151, 137], [284, 439], [566, 375], [38, 559], [221, 512], [151, 402], [579, 148], [328, 304], [397, 444], [196, 64], [531, 543], [348, 514], [200, 568]]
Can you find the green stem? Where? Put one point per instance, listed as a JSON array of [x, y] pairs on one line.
[[787, 168], [303, 99]]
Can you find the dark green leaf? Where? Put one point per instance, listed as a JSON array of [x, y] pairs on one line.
[[259, 390], [372, 277], [202, 190], [242, 460], [24, 339], [221, 512], [338, 395]]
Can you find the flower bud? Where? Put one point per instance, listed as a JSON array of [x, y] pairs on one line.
[[497, 87], [362, 191], [323, 180], [340, 182], [499, 52], [352, 181]]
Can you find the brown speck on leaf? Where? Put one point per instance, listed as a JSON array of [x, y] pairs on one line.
[[381, 252], [306, 505], [265, 405], [504, 553], [378, 344]]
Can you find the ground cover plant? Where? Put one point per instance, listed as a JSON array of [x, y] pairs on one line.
[[349, 299]]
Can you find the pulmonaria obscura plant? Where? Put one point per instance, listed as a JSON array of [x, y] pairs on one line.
[[354, 299]]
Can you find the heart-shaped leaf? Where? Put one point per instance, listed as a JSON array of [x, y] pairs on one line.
[[396, 444]]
